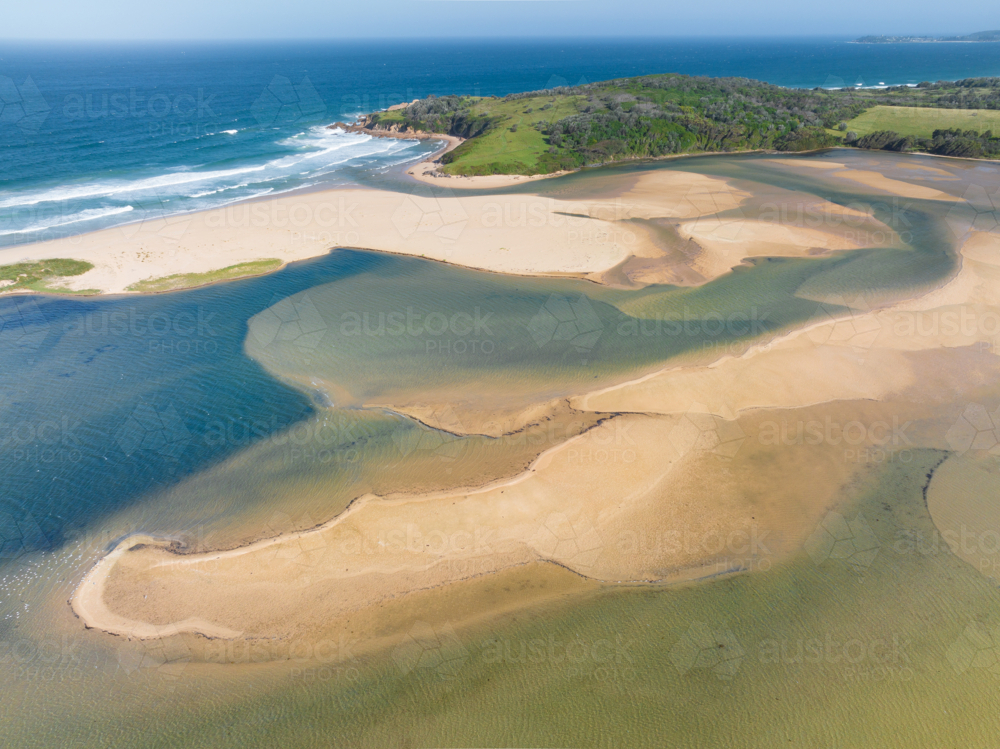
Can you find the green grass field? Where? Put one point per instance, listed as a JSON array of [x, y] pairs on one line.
[[923, 121], [42, 275], [190, 280], [521, 147]]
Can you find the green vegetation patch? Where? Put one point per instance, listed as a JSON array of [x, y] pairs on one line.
[[41, 275], [541, 132], [518, 144], [921, 122], [190, 280]]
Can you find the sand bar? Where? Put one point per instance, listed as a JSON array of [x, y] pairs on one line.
[[514, 234], [600, 503]]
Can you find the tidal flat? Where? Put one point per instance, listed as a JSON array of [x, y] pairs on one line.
[[682, 499]]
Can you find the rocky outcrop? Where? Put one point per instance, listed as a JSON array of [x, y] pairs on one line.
[[368, 125]]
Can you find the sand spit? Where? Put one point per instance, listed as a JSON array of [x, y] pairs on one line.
[[607, 505], [513, 234], [895, 186]]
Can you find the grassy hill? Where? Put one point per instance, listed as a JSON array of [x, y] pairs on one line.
[[541, 132]]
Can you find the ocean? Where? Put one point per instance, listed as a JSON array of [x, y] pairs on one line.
[[101, 135]]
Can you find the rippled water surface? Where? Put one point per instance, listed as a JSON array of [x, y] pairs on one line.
[[231, 412]]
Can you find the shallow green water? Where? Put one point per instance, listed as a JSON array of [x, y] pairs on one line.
[[355, 327]]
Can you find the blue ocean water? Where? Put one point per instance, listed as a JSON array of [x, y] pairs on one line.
[[98, 135]]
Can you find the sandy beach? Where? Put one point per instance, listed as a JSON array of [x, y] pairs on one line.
[[514, 234], [522, 234]]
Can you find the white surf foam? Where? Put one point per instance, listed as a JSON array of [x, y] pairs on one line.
[[88, 215]]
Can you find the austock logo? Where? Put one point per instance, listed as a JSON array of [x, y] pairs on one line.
[[839, 539], [20, 534], [700, 430], [302, 550], [715, 212], [294, 319], [976, 648], [437, 649], [165, 657], [441, 436], [557, 81], [159, 431], [978, 211], [431, 211], [569, 321], [576, 544], [152, 215], [22, 323], [284, 103], [22, 106], [849, 321], [976, 429], [714, 650]]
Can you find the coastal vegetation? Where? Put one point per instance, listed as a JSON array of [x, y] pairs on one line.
[[541, 132], [190, 280], [42, 275], [951, 142]]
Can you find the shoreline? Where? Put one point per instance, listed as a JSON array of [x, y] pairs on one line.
[[515, 234], [164, 243]]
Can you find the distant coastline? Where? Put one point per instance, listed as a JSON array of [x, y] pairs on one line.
[[978, 38]]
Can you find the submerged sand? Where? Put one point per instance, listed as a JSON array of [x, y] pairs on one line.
[[627, 501]]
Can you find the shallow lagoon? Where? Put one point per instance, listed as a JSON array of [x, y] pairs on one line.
[[234, 415]]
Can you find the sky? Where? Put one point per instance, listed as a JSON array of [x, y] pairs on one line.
[[316, 19]]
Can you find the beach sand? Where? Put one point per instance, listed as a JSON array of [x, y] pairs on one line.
[[513, 234], [606, 505], [894, 186], [623, 503]]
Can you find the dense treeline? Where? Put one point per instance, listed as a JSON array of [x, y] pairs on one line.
[[446, 114], [657, 115], [951, 142]]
